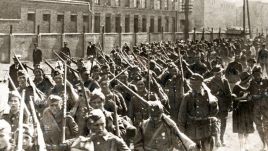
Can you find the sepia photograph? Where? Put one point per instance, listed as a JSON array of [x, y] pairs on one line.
[[133, 75]]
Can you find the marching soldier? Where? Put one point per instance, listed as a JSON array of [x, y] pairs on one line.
[[159, 132], [13, 116], [258, 89], [99, 139], [197, 115], [52, 122], [58, 89], [220, 88], [139, 111], [13, 70], [42, 82]]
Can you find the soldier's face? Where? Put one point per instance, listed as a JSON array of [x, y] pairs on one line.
[[58, 79], [97, 103], [27, 141], [257, 76], [98, 127], [140, 86], [22, 81], [55, 107], [38, 75], [195, 85], [4, 140], [14, 104]]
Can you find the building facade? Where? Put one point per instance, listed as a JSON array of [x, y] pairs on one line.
[[214, 14], [91, 16]]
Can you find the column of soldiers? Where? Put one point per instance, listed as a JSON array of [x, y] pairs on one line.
[[157, 96]]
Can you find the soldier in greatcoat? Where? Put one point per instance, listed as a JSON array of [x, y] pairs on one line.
[[197, 115]]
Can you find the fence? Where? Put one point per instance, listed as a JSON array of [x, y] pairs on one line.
[[23, 43]]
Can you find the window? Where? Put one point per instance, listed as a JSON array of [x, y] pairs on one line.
[[31, 17], [166, 4], [73, 18], [97, 2], [143, 3], [127, 22], [108, 3], [136, 23], [152, 24], [60, 18], [117, 2], [173, 24], [167, 24], [152, 4], [85, 18], [97, 23], [127, 3], [46, 17], [159, 24], [108, 23], [136, 3], [157, 4], [144, 23], [118, 24]]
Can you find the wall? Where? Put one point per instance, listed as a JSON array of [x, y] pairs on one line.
[[77, 42]]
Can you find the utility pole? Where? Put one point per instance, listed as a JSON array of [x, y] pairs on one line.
[[249, 26], [186, 26], [186, 7], [244, 17]]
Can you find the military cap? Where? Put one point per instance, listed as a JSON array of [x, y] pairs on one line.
[[21, 73], [54, 98], [95, 115], [95, 67], [217, 69], [57, 72], [256, 69], [244, 76], [13, 94], [156, 107], [38, 69], [197, 77], [97, 94], [252, 60]]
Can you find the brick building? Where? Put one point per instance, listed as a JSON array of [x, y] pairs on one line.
[[56, 16]]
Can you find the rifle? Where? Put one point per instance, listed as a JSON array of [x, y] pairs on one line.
[[82, 86], [39, 134], [31, 83], [143, 101], [73, 61], [64, 98], [49, 65], [20, 127]]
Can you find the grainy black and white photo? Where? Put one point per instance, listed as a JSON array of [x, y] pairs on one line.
[[133, 75]]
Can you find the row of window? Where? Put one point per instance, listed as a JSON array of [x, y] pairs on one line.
[[60, 17], [154, 4], [136, 23], [108, 22]]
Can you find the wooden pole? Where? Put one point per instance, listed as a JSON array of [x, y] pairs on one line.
[[249, 26]]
